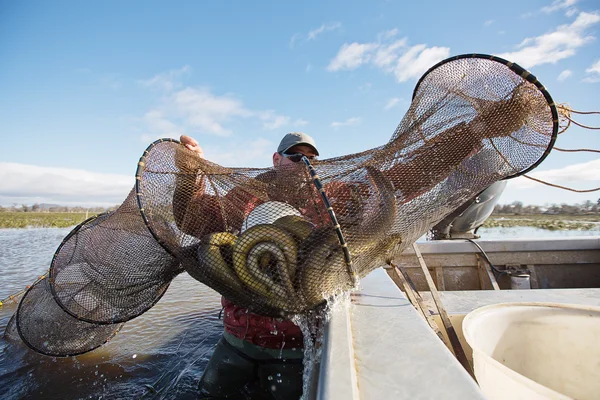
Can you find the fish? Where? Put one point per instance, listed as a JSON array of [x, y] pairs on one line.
[[323, 269]]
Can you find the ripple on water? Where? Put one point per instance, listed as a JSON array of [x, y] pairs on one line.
[[165, 349], [26, 254]]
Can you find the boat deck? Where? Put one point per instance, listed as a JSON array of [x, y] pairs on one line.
[[377, 346]]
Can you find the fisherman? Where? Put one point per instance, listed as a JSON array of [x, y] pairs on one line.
[[258, 356]]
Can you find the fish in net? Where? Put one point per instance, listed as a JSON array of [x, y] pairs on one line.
[[281, 241]]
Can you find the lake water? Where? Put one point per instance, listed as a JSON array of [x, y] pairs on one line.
[[167, 347], [164, 350]]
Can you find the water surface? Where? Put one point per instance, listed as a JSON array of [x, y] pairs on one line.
[[164, 350], [160, 354]]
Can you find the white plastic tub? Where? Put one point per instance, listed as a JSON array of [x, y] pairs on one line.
[[536, 350]]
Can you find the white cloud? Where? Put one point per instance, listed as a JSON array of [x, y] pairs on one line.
[[577, 174], [391, 103], [417, 60], [167, 80], [253, 153], [396, 57], [351, 56], [272, 121], [28, 184], [312, 35], [293, 39], [387, 34], [559, 5], [349, 122], [488, 22], [571, 11], [554, 46], [193, 110], [156, 121], [582, 176], [595, 68], [386, 55], [564, 75], [300, 122], [593, 73], [308, 67], [200, 109]]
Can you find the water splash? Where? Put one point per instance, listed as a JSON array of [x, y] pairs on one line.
[[312, 325]]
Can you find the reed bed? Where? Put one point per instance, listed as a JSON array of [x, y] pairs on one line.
[[542, 221], [40, 219]]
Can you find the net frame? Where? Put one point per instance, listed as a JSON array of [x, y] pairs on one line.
[[523, 73], [316, 181]]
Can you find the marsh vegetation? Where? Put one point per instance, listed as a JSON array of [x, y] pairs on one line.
[[41, 219], [543, 221]]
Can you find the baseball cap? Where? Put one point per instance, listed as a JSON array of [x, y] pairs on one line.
[[295, 138]]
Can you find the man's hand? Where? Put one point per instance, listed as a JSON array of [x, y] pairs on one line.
[[191, 144]]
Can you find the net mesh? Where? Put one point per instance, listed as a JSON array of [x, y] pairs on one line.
[[281, 241]]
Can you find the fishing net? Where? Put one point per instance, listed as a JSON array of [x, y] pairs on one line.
[[281, 241]]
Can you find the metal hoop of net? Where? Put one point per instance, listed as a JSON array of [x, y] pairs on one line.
[[282, 241]]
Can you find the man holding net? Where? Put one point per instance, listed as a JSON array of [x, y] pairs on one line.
[[263, 353], [257, 356]]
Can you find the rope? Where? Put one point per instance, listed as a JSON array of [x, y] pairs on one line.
[[565, 112], [584, 112], [565, 127], [583, 126], [561, 187], [575, 150], [13, 297]]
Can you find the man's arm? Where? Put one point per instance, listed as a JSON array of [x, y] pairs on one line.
[[195, 212]]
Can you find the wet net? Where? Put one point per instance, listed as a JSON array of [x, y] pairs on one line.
[[281, 241]]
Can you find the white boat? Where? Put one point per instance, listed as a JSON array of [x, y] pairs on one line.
[[378, 346]]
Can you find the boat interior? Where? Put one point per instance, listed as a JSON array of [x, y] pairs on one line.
[[392, 338]]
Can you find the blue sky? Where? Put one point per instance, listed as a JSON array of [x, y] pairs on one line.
[[85, 87]]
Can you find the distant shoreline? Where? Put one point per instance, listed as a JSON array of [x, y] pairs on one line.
[[21, 220], [552, 222]]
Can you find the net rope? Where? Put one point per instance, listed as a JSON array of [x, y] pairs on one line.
[[565, 120]]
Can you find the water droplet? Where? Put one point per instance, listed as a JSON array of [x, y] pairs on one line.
[[134, 356], [279, 381], [273, 388], [270, 377]]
